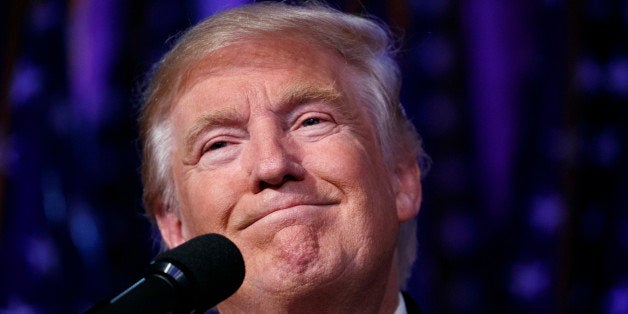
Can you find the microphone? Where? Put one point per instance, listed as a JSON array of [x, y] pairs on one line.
[[194, 276]]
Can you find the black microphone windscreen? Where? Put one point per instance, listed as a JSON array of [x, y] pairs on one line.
[[213, 265]]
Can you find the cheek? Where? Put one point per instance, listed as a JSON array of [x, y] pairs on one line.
[[367, 225], [359, 172], [206, 200], [351, 162]]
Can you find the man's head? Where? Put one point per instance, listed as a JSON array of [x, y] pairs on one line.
[[280, 127]]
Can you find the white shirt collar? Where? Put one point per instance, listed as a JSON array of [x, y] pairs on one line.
[[401, 307]]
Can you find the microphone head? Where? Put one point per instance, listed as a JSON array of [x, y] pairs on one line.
[[213, 267]]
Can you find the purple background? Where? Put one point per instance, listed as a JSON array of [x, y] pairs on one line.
[[523, 106]]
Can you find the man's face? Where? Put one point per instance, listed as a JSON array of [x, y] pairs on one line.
[[272, 151]]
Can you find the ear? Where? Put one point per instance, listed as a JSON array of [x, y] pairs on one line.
[[170, 226], [409, 194]]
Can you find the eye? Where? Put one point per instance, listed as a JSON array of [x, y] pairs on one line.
[[217, 145], [311, 121]]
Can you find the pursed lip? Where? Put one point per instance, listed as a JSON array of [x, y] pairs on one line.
[[274, 202]]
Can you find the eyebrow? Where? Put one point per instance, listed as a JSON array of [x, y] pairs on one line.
[[207, 121], [291, 97], [298, 94]]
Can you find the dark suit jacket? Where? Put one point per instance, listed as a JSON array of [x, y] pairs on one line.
[[411, 306]]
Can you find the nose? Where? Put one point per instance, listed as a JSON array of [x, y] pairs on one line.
[[272, 161]]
